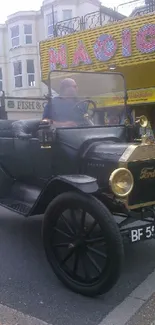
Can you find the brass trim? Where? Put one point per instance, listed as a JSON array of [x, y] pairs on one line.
[[137, 152], [141, 205], [142, 120]]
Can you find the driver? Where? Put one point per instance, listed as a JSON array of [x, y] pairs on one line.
[[63, 110]]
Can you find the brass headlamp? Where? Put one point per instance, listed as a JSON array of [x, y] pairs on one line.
[[121, 182]]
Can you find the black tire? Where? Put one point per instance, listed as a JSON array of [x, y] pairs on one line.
[[112, 237]]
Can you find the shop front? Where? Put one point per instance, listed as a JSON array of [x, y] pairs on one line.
[[20, 108]]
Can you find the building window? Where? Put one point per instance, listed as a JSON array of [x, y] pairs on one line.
[[67, 14], [52, 19], [67, 21], [1, 80], [15, 36], [28, 33], [18, 74], [30, 73]]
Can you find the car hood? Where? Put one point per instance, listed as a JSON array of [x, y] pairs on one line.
[[101, 159], [105, 151]]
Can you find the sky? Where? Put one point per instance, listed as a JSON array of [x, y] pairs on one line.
[[10, 7]]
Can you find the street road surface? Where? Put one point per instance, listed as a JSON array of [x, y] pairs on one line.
[[28, 285]]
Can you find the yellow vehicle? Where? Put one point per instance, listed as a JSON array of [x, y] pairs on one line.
[[127, 46]]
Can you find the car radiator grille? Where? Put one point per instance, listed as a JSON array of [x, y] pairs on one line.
[[144, 182]]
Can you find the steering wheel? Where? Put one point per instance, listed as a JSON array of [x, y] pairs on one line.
[[78, 106], [87, 101], [87, 118]]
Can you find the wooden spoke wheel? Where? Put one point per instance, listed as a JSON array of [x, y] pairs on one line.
[[82, 243]]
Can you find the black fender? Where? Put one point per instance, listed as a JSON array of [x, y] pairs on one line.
[[83, 183], [64, 183]]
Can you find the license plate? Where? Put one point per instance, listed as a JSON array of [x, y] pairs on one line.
[[142, 233]]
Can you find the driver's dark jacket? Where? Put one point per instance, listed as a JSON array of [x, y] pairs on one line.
[[64, 110]]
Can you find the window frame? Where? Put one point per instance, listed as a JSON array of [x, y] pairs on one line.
[[28, 34], [68, 22], [67, 10], [19, 75], [29, 74], [52, 23], [15, 37]]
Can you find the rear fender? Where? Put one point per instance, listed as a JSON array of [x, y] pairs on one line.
[[60, 184]]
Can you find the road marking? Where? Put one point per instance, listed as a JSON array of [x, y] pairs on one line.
[[123, 312], [9, 316]]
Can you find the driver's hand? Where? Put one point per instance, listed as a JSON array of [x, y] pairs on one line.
[[45, 122]]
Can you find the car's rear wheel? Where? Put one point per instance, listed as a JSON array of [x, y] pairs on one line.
[[83, 243]]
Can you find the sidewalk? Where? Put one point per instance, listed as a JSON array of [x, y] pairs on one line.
[[145, 315], [136, 309]]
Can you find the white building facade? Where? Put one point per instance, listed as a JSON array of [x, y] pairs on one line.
[[20, 74]]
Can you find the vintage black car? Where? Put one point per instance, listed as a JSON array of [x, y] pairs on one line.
[[91, 181]]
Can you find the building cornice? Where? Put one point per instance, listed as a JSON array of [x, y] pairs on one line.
[[2, 26], [48, 3], [23, 15], [94, 2]]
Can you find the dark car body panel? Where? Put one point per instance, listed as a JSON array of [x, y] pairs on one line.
[[101, 159], [143, 189], [31, 175]]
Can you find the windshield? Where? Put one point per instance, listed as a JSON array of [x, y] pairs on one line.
[[101, 96]]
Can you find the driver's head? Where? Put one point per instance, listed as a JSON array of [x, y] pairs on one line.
[[68, 88]]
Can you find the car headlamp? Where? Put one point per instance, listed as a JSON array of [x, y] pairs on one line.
[[121, 182]]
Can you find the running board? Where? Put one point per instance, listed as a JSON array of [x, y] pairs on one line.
[[20, 198], [16, 206]]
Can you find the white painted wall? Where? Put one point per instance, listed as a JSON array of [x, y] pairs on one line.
[[87, 6]]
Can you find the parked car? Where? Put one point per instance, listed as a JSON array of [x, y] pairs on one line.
[[91, 181]]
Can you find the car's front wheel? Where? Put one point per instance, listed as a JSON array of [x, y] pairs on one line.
[[83, 243]]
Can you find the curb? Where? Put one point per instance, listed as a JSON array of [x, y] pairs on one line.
[[123, 313]]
